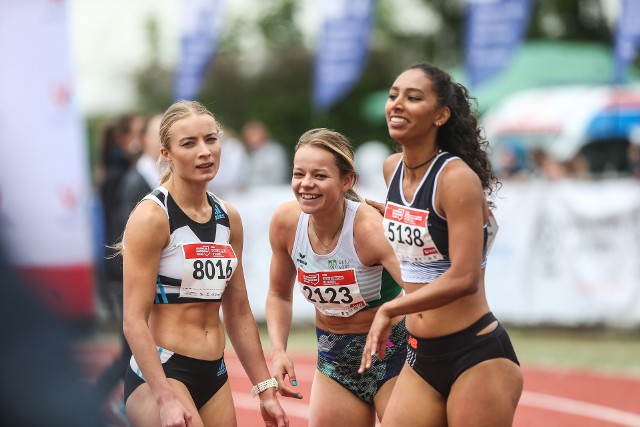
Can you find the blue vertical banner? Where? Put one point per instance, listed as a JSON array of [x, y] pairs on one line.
[[627, 38], [342, 50], [494, 31], [200, 33]]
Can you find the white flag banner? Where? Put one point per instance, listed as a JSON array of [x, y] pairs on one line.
[[45, 189], [567, 253]]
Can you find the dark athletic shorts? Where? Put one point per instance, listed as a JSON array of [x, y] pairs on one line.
[[441, 360], [339, 357], [203, 378]]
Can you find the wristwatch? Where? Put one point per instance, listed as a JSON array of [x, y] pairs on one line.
[[262, 386]]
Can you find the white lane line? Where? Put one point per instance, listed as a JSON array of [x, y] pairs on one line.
[[577, 407], [530, 399]]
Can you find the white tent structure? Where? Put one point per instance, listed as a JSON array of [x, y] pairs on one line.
[[562, 120]]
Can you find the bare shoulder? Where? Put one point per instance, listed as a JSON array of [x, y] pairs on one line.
[[367, 219], [458, 185], [233, 213], [368, 235], [285, 217], [147, 215], [457, 172], [148, 225], [282, 229]]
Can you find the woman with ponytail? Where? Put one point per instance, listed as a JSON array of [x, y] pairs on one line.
[[330, 245], [182, 256], [461, 368]]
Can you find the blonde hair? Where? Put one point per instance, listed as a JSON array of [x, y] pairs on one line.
[[178, 111], [340, 147]]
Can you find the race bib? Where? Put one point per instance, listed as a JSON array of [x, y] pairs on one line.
[[406, 230], [206, 269], [334, 293]]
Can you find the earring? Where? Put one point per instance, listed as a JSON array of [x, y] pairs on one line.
[[437, 124]]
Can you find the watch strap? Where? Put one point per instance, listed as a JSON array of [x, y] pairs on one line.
[[263, 385]]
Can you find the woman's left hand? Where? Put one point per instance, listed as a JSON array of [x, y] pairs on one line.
[[379, 333], [272, 413]]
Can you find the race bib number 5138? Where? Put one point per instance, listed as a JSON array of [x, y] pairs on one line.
[[406, 229]]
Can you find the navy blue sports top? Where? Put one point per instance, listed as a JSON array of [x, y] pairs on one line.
[[417, 231]]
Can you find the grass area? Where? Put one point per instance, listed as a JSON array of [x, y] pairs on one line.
[[600, 350], [594, 349]]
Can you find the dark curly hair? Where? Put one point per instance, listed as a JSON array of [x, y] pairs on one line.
[[461, 135]]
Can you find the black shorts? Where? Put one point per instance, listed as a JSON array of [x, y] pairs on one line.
[[203, 378], [441, 360]]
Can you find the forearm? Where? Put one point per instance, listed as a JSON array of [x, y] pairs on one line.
[[443, 291], [243, 334], [279, 315]]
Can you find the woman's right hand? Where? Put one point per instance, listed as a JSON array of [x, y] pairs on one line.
[[282, 368], [378, 205], [174, 414], [379, 333]]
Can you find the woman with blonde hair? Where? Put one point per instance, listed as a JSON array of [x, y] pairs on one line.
[[330, 245], [182, 254]]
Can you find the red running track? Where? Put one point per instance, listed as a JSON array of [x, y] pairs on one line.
[[551, 397]]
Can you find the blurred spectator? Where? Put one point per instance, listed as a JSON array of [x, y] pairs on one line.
[[369, 157], [143, 177], [512, 163], [232, 175], [120, 145], [548, 167], [268, 160], [137, 182], [40, 383]]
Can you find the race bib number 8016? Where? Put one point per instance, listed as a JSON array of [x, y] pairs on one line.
[[207, 268]]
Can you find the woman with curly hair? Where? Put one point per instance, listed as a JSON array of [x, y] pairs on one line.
[[461, 368]]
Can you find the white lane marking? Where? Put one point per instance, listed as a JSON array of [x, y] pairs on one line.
[[530, 399], [577, 407]]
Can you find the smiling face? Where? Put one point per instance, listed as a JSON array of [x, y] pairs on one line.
[[412, 109], [194, 148], [317, 182]]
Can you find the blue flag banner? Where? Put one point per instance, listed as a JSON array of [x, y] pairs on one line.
[[342, 50], [627, 37], [201, 29], [494, 31]]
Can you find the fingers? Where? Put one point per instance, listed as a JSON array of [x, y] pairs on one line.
[[370, 349], [187, 419], [378, 205], [286, 389], [382, 351], [282, 419]]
